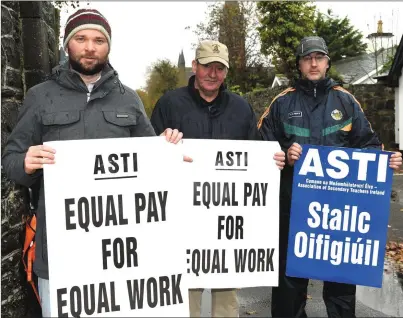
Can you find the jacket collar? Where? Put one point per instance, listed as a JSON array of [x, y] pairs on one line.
[[69, 78], [315, 88]]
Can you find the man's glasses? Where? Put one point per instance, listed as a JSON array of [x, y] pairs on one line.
[[318, 58]]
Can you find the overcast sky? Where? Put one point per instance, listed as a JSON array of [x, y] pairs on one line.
[[143, 32]]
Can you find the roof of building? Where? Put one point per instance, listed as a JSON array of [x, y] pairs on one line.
[[397, 65], [357, 69], [280, 80]]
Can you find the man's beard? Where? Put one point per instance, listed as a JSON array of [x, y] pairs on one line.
[[80, 68]]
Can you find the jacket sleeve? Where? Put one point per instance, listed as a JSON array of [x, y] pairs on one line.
[[143, 127], [26, 133], [159, 117], [270, 126], [362, 135], [269, 123]]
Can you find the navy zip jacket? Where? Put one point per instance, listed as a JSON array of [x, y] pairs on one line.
[[316, 113], [229, 116]]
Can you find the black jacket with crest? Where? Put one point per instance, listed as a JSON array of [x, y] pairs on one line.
[[316, 113], [229, 116]]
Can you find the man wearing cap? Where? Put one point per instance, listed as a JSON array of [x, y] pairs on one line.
[[205, 109], [83, 99], [315, 111]]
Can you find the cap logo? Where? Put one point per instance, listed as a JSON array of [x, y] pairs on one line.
[[215, 48]]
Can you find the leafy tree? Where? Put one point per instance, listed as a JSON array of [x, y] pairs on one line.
[[232, 32], [61, 4], [234, 23], [341, 37], [283, 25], [146, 101], [182, 77], [162, 77], [335, 75], [388, 60]]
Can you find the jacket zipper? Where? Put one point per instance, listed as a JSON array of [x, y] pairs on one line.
[[98, 84]]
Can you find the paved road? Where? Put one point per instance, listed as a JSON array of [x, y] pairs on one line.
[[395, 231], [385, 302], [371, 302]]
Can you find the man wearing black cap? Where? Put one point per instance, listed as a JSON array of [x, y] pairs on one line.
[[315, 111]]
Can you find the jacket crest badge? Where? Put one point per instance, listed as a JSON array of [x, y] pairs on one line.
[[336, 114]]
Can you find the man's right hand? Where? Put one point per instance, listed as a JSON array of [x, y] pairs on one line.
[[293, 153], [37, 156]]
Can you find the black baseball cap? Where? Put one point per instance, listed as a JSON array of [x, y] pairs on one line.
[[312, 44]]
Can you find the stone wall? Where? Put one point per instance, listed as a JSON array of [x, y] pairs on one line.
[[377, 101], [29, 48]]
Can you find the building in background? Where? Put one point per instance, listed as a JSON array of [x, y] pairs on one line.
[[184, 72]]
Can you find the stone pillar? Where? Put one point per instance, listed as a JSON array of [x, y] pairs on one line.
[[35, 39], [13, 286], [29, 49]]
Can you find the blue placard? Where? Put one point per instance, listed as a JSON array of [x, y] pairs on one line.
[[339, 215]]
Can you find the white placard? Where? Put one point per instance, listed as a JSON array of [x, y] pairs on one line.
[[112, 229], [231, 196]]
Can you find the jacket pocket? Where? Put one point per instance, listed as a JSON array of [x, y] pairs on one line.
[[118, 118], [61, 125], [119, 123]]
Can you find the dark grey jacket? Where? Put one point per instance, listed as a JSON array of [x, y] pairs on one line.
[[57, 109]]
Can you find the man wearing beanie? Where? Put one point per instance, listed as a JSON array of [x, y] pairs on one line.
[[315, 111], [83, 99], [206, 109]]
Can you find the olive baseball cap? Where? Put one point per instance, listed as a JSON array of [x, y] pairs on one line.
[[312, 44], [212, 51]]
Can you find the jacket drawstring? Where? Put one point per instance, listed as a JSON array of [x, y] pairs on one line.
[[121, 87]]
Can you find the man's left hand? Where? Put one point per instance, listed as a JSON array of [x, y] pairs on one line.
[[279, 158], [172, 135], [395, 161]]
